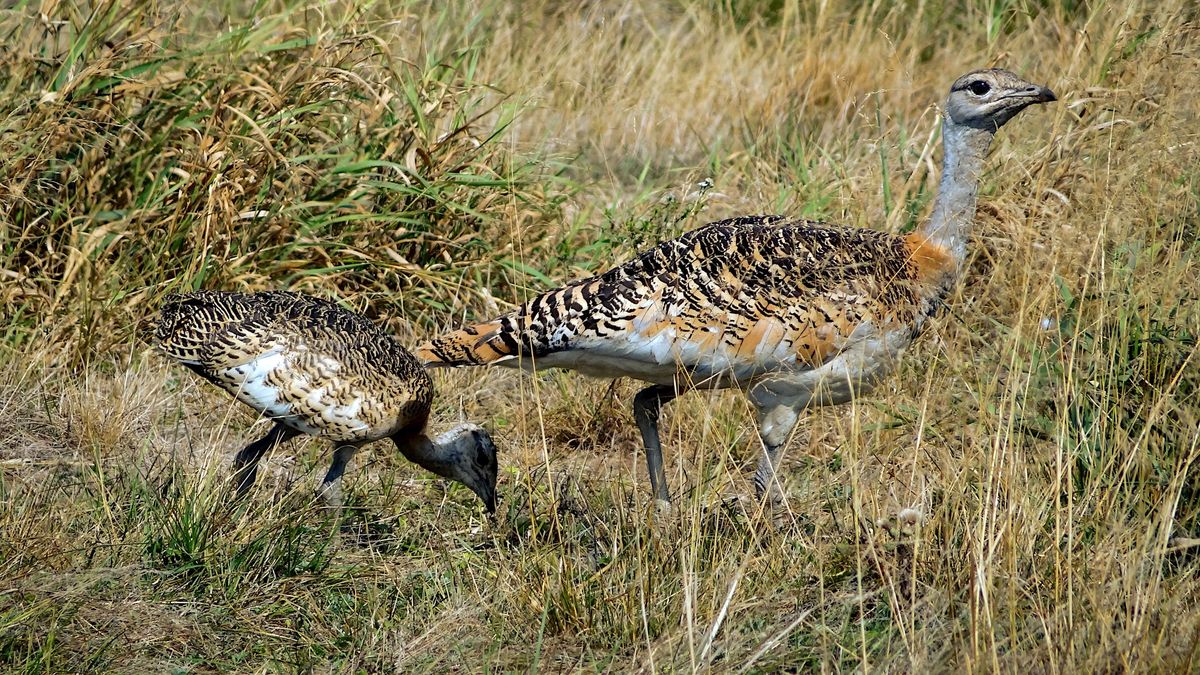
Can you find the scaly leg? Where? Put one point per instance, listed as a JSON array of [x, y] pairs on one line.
[[646, 408], [766, 481], [245, 464], [331, 485], [775, 424]]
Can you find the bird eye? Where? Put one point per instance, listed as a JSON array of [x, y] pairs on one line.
[[979, 87], [482, 459]]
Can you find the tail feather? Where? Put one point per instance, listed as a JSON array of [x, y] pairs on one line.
[[482, 344]]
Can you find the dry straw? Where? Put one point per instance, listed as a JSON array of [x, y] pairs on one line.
[[1021, 496]]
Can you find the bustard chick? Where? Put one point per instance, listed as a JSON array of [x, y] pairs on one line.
[[315, 368], [795, 313]]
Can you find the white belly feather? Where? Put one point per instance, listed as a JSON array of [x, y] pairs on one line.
[[302, 406], [772, 373], [854, 371], [251, 379]]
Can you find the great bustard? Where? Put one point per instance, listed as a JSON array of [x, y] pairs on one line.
[[796, 313], [315, 368]]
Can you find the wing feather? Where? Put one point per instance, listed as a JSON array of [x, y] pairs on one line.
[[307, 361], [742, 296]]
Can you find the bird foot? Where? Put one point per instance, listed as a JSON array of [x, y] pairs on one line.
[[659, 513], [902, 524], [771, 512], [331, 495]]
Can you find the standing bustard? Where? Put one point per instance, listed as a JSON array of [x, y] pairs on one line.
[[315, 368], [796, 313]]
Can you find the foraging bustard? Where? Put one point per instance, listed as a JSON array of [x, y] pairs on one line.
[[796, 313], [315, 368]]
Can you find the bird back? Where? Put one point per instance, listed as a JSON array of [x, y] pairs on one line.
[[321, 368], [745, 295]]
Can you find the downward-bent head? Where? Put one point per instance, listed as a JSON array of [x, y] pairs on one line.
[[465, 454]]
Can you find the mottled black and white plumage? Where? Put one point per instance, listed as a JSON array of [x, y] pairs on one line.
[[318, 369], [681, 304], [794, 312]]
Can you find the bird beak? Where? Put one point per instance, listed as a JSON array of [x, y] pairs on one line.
[[489, 501], [1033, 94], [1042, 94]]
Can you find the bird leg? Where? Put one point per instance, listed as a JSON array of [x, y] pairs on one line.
[[331, 485], [245, 464], [647, 405], [775, 424], [766, 482]]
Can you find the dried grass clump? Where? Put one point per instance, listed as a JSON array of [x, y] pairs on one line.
[[1021, 496]]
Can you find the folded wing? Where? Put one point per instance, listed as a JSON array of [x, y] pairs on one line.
[[301, 360], [736, 298]]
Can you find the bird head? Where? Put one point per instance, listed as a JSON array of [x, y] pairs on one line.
[[987, 99], [477, 467]]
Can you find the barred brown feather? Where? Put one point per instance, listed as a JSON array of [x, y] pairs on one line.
[[304, 361], [739, 297], [316, 368]]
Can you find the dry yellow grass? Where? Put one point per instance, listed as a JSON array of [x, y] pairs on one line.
[[1022, 495]]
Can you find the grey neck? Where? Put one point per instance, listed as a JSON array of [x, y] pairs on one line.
[[964, 148], [441, 455]]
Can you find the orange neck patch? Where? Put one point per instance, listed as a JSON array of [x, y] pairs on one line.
[[929, 260]]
